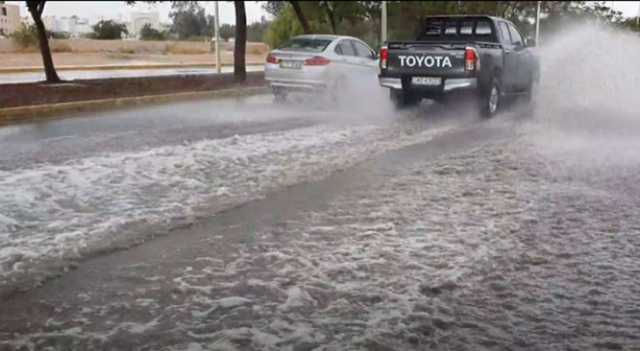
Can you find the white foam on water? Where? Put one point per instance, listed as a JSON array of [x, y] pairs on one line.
[[70, 210]]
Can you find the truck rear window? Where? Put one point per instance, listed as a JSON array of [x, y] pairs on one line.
[[464, 28]]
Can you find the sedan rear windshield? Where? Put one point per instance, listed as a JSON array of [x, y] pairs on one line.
[[456, 29], [307, 44]]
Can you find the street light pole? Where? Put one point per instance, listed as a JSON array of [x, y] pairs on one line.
[[383, 24], [638, 18], [538, 24], [217, 34]]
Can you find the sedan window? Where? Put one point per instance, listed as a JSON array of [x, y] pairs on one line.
[[362, 50], [345, 48], [306, 44]]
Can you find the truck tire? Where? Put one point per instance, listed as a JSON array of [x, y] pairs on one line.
[[490, 99], [401, 98]]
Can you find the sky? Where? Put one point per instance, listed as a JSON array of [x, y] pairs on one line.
[[95, 10]]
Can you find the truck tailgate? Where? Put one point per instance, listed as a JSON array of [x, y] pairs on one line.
[[425, 59]]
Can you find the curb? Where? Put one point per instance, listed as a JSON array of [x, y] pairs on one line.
[[31, 69], [49, 111]]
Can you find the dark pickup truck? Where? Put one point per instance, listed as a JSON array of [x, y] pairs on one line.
[[483, 54]]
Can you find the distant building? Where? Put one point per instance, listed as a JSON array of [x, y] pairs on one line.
[[51, 23], [9, 18], [140, 19], [74, 25]]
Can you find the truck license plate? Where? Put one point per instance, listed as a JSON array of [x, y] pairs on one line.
[[290, 64], [426, 81]]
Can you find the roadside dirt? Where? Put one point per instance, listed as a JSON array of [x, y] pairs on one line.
[[33, 59]]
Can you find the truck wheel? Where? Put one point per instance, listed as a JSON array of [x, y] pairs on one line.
[[490, 99], [401, 99]]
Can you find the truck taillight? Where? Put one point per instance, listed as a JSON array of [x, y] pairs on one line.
[[384, 57], [471, 60], [272, 59], [317, 61]]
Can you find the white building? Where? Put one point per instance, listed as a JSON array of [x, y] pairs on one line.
[[74, 25], [51, 23], [9, 18], [140, 19]]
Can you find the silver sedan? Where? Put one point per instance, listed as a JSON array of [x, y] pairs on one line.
[[318, 63]]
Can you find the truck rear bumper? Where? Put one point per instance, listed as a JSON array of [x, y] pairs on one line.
[[449, 84]]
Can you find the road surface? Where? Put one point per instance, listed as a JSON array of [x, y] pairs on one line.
[[244, 225], [8, 78]]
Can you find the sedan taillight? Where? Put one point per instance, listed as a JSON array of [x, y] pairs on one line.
[[272, 59], [317, 61]]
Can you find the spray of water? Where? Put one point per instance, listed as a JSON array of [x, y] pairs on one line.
[[588, 111]]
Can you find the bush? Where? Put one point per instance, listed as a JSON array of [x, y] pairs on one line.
[[149, 33], [109, 30], [59, 47], [26, 36], [127, 51], [59, 35]]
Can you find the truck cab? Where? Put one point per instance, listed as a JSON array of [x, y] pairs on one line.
[[483, 54]]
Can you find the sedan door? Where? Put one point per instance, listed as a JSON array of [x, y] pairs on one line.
[[367, 58], [346, 55]]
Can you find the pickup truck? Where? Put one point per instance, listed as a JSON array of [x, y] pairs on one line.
[[486, 55]]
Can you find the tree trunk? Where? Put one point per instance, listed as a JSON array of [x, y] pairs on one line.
[[332, 19], [36, 8], [239, 66], [301, 17]]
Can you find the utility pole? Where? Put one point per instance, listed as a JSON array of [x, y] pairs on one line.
[[383, 24], [217, 44], [638, 18], [538, 24]]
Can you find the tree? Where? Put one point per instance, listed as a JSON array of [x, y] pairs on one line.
[[149, 33], [283, 27], [274, 7], [304, 23], [189, 20], [109, 29], [227, 31], [256, 30], [239, 66], [36, 8]]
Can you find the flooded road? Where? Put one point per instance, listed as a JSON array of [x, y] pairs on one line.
[[465, 239], [244, 225]]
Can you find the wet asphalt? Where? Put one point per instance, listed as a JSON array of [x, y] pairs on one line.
[[511, 280]]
